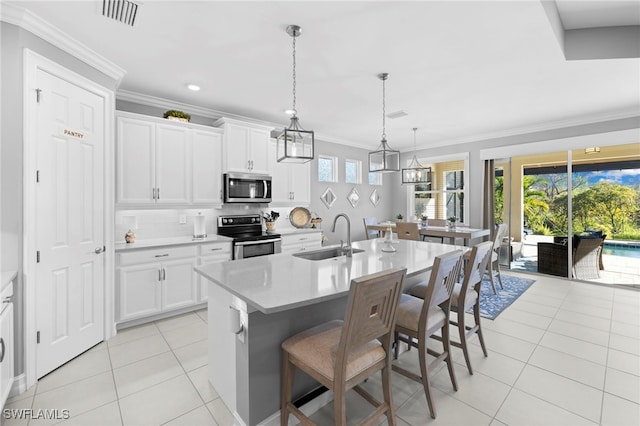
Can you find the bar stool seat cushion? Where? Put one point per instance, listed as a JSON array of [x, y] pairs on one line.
[[420, 289], [409, 311], [317, 346]]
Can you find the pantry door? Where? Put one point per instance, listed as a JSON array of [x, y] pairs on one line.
[[69, 202]]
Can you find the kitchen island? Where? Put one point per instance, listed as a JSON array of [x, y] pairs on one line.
[[256, 303]]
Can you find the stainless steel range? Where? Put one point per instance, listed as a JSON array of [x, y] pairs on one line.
[[249, 240]]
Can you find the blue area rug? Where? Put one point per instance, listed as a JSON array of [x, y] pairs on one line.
[[492, 304]]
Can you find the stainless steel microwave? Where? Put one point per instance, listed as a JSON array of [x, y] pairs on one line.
[[246, 188]]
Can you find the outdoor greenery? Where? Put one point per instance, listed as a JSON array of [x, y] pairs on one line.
[[609, 207]]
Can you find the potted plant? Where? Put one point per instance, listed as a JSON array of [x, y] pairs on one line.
[[399, 216], [176, 115], [424, 219], [270, 220], [452, 222]]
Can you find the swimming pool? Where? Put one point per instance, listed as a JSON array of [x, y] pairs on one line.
[[625, 250]]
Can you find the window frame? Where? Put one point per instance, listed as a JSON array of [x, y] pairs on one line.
[[378, 176], [462, 156], [358, 164], [334, 168]]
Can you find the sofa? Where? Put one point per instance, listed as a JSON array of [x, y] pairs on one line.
[[587, 256]]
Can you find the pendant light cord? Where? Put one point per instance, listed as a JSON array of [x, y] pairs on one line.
[[294, 76], [384, 133]]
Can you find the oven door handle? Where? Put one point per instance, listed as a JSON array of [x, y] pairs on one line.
[[251, 243], [264, 183]]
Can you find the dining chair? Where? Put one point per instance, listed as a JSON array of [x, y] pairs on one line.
[[466, 298], [419, 319], [493, 267], [407, 231], [371, 234], [435, 222], [340, 355]]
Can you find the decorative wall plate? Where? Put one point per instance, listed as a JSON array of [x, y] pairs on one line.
[[328, 197], [353, 197], [374, 197], [300, 217]]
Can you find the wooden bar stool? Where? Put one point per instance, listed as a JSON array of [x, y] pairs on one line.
[[465, 298], [340, 354], [419, 319]]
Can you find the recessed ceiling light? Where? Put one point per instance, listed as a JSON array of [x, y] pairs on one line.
[[193, 87]]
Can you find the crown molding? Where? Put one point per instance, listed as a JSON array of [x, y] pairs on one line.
[[31, 22], [214, 115], [542, 127]]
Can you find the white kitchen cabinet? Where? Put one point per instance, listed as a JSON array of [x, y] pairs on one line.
[[245, 146], [297, 242], [6, 343], [291, 182], [155, 280], [172, 164], [135, 161], [152, 162], [160, 162], [209, 254], [207, 167]]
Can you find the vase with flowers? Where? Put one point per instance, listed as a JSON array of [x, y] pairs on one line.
[[270, 220]]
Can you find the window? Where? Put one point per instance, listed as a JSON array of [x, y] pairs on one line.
[[353, 171], [445, 196], [375, 178], [327, 169]]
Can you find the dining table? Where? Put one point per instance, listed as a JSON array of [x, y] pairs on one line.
[[463, 232]]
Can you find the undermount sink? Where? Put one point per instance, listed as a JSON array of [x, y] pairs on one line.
[[327, 253]]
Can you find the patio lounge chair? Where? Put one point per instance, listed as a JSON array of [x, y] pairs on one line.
[[552, 258]]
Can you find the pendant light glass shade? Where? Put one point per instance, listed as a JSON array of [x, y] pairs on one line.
[[384, 159], [295, 145], [416, 173]]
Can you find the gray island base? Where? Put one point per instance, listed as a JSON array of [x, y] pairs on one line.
[[255, 304]]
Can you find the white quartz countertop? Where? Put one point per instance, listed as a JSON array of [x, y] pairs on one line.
[[169, 241], [294, 231], [282, 281]]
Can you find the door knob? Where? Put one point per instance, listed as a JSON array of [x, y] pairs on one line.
[[99, 250]]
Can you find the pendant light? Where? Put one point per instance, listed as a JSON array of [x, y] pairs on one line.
[[416, 173], [295, 145], [384, 159]]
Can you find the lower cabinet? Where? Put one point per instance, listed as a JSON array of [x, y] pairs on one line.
[[293, 243], [156, 280], [6, 343], [209, 254]]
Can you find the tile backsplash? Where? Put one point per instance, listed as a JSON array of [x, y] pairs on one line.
[[163, 223]]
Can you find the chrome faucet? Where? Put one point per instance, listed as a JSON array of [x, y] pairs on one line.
[[347, 250]]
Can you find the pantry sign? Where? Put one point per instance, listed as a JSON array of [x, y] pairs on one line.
[[75, 134]]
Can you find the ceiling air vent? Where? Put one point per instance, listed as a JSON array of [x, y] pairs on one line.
[[397, 114], [120, 10]]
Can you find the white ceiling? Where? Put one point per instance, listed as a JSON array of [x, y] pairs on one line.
[[462, 71]]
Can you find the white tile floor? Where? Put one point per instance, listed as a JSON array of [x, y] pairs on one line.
[[562, 354]]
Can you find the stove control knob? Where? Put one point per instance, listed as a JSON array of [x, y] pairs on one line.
[[229, 220]]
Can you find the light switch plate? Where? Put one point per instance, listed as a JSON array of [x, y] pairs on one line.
[[183, 218]]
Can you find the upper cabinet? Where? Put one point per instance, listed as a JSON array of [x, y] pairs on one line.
[[245, 146], [290, 181], [165, 163]]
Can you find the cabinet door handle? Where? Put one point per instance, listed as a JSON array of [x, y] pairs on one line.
[[153, 193], [216, 249], [164, 274], [2, 345], [158, 193], [159, 275], [8, 299], [162, 255]]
